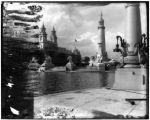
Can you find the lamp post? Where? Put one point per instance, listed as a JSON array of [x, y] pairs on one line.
[[143, 49], [124, 46]]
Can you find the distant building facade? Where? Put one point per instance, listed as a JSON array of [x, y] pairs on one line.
[[42, 46], [51, 44]]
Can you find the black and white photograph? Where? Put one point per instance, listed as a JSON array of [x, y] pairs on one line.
[[74, 59]]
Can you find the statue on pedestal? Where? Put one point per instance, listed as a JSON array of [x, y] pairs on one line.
[[47, 64], [33, 65], [99, 58], [70, 65], [92, 61]]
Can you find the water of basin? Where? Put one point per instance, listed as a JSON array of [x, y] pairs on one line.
[[54, 82]]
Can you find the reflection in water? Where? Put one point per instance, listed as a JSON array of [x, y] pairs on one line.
[[54, 82]]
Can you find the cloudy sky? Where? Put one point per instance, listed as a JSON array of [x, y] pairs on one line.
[[80, 21]]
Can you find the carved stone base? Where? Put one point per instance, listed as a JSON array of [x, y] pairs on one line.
[[130, 79], [70, 66], [101, 66]]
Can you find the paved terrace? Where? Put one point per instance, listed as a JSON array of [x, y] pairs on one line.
[[90, 103]]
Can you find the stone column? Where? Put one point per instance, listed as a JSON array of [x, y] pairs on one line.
[[133, 32], [101, 44], [100, 50]]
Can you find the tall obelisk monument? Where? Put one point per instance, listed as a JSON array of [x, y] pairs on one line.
[[101, 45]]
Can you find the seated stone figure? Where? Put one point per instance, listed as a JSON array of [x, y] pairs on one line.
[[92, 61], [33, 65], [99, 59], [70, 65], [47, 64]]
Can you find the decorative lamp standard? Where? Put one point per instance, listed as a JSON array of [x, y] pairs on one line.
[[124, 46]]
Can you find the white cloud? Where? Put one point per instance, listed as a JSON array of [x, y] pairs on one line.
[[85, 36], [87, 43]]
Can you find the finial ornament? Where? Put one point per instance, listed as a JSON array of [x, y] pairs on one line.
[[101, 21], [43, 26], [53, 28], [101, 16]]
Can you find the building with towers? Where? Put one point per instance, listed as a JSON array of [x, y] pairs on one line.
[[50, 47], [42, 37], [44, 43]]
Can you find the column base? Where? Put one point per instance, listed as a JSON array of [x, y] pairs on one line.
[[131, 60], [132, 66]]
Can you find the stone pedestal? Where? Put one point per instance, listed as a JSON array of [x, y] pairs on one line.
[[70, 66], [101, 66], [130, 79]]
